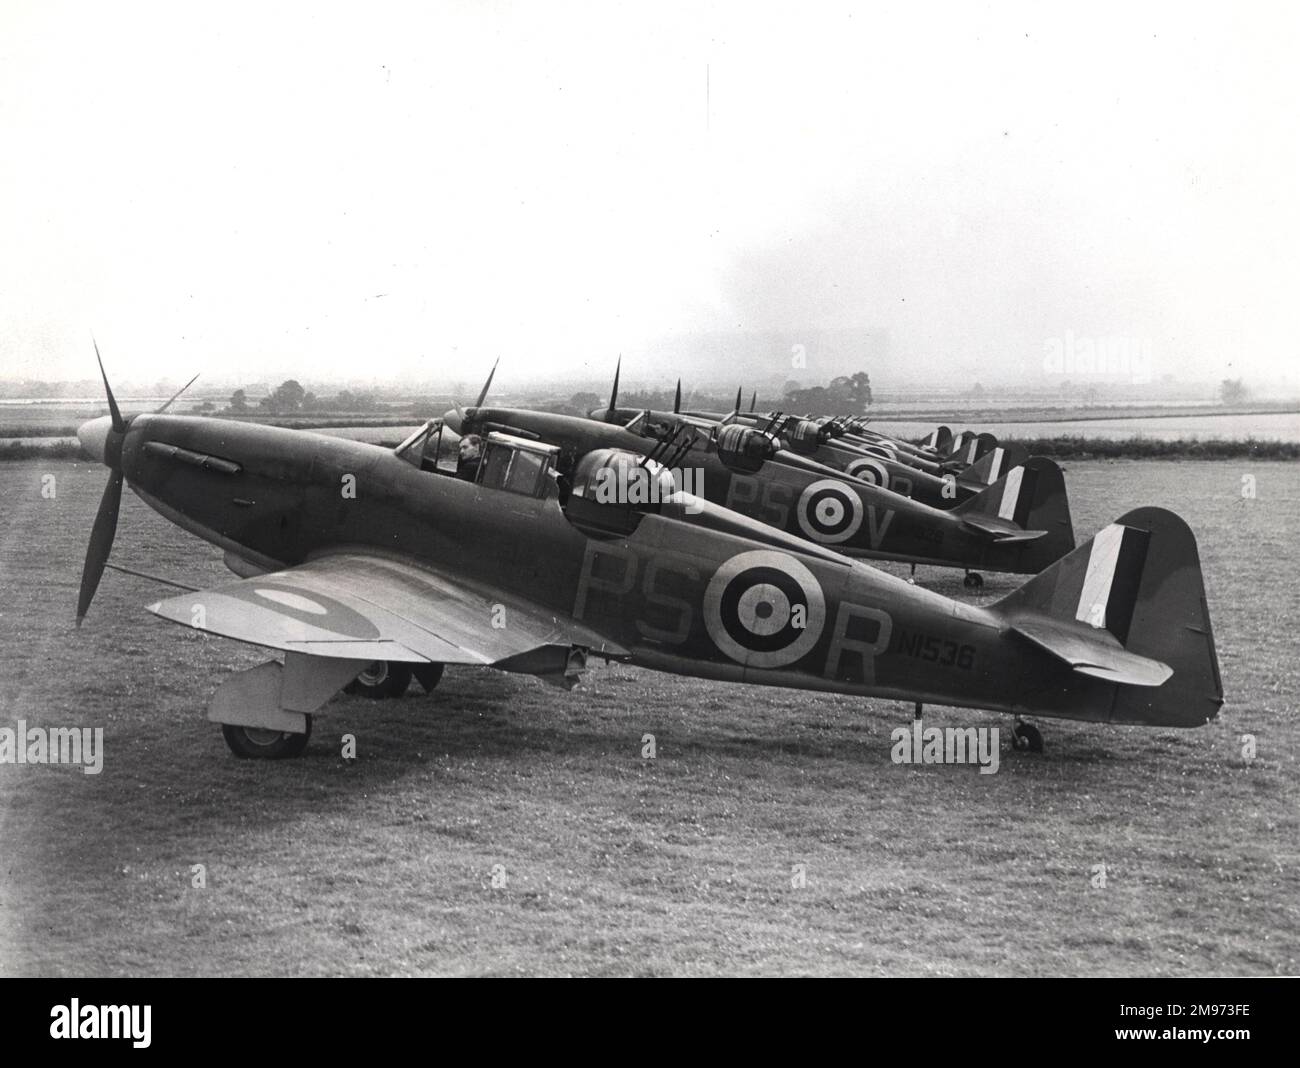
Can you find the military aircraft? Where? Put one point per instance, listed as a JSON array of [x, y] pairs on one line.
[[1020, 524], [359, 559], [892, 468]]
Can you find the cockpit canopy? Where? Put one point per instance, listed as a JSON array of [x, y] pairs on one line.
[[516, 464]]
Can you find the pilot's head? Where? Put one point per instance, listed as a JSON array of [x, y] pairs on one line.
[[471, 447]]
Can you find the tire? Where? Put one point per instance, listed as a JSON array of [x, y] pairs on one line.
[[382, 679], [253, 743], [1027, 738]]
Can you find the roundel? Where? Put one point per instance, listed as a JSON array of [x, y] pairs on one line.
[[829, 511], [764, 609], [869, 470]]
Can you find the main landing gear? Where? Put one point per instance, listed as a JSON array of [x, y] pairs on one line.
[[390, 678], [272, 700], [256, 743], [973, 580], [1026, 738], [383, 678]]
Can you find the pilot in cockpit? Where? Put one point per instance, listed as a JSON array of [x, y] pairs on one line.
[[469, 453]]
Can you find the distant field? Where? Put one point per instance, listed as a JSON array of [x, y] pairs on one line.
[[613, 864]]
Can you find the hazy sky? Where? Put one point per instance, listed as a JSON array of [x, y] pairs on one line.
[[355, 190]]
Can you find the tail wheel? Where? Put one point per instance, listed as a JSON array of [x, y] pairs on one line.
[[1027, 737], [255, 743], [383, 678]]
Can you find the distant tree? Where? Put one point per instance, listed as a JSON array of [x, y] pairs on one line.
[[856, 390], [977, 392], [206, 406], [310, 402], [239, 401], [846, 395], [288, 396], [347, 401], [1233, 391], [584, 402]]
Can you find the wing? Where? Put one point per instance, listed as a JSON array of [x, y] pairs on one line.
[[364, 606]]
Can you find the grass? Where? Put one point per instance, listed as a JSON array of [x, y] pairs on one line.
[[31, 450], [619, 865], [1081, 447]]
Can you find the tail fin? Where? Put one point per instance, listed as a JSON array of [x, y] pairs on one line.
[[993, 465], [939, 439], [1028, 498], [1129, 608], [968, 446]]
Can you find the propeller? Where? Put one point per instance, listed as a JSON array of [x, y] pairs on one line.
[[753, 399], [174, 395], [456, 418], [613, 395], [482, 396], [118, 425], [730, 417], [105, 527], [677, 399]]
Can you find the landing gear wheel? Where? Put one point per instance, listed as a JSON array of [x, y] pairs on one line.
[[383, 678], [1026, 738], [254, 743], [428, 675], [973, 580]]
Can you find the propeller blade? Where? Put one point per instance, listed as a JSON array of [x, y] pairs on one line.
[[740, 396], [753, 399], [454, 419], [677, 400], [613, 396], [177, 394], [118, 425], [486, 386], [101, 542]]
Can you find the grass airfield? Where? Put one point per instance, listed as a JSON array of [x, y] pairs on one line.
[[608, 863]]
